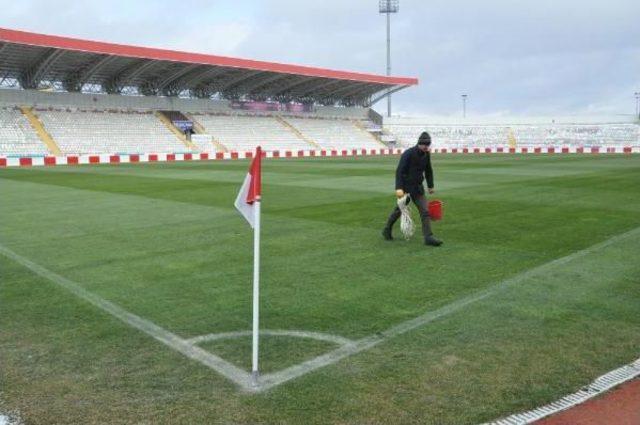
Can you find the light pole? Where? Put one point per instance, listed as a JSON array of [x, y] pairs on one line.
[[389, 7], [637, 95], [464, 106]]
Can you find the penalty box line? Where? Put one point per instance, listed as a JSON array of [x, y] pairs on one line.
[[228, 370]]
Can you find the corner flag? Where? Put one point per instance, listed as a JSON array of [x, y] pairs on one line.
[[248, 203], [251, 190]]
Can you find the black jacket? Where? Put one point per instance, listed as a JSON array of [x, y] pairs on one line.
[[413, 168]]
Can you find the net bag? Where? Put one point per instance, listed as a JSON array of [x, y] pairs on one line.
[[406, 223]]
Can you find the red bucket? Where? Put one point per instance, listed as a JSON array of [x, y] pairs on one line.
[[435, 210]]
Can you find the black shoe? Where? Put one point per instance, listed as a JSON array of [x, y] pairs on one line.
[[386, 234], [432, 241]]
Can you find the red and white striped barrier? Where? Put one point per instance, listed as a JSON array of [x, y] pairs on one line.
[[539, 149], [169, 157]]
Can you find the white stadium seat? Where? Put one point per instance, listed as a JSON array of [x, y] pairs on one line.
[[135, 132], [83, 132], [17, 137], [335, 134], [244, 133], [457, 136]]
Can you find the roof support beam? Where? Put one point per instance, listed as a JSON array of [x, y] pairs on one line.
[[354, 90], [321, 86], [172, 79], [137, 71], [75, 83], [345, 91], [87, 74], [247, 75], [31, 77], [264, 82], [197, 77], [367, 94], [295, 84], [127, 76], [203, 91], [3, 47], [359, 97], [387, 93]]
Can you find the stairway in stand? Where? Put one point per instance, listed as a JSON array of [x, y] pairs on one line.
[[40, 130]]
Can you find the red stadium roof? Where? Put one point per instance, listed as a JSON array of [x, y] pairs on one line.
[[32, 58]]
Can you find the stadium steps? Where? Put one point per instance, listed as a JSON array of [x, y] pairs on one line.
[[297, 132], [512, 139], [171, 127], [40, 130], [362, 127], [199, 128]]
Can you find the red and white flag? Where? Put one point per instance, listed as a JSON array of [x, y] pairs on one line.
[[251, 190], [248, 203]]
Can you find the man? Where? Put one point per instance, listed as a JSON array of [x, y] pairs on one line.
[[414, 166]]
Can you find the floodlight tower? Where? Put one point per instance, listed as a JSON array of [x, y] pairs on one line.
[[464, 106], [389, 7]]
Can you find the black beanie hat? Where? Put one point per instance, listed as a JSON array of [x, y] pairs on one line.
[[424, 139]]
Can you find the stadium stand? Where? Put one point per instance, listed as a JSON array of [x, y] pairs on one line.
[[119, 124], [111, 131], [244, 132], [577, 135], [524, 132], [206, 143], [17, 137], [84, 132], [97, 98], [335, 134]]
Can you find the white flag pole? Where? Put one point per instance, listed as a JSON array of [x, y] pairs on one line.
[[256, 290]]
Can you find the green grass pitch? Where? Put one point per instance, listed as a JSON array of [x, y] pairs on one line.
[[164, 242]]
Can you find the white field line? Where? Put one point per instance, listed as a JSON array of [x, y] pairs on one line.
[[349, 348], [277, 378], [173, 341], [597, 387], [266, 332]]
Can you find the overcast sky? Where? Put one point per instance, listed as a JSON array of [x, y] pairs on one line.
[[534, 57]]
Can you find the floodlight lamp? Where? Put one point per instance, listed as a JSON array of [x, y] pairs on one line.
[[389, 6]]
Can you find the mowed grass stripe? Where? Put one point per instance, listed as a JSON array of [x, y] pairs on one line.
[[241, 378], [228, 370], [549, 271], [154, 266], [123, 269], [524, 347], [375, 179], [324, 273]]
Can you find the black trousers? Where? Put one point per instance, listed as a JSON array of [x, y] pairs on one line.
[[421, 203]]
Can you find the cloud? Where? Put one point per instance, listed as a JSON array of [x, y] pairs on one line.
[[221, 39], [510, 56]]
